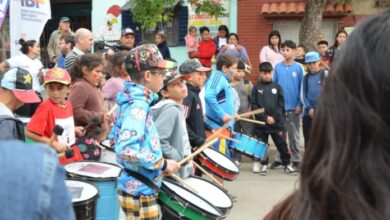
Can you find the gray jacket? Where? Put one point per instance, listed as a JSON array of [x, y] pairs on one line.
[[11, 128], [171, 126]]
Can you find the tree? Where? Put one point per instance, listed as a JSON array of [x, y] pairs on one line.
[[311, 23]]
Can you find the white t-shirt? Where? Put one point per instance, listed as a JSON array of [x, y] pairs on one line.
[[33, 66], [4, 110]]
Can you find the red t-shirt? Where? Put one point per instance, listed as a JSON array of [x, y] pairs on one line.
[[50, 114]]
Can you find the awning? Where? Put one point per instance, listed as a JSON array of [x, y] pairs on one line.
[[127, 5], [298, 9]]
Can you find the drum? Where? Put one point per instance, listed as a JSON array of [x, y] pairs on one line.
[[212, 193], [108, 152], [178, 202], [104, 176], [222, 144], [218, 164], [249, 146], [84, 198]]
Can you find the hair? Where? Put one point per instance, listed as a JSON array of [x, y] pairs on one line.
[[336, 44], [226, 60], [302, 46], [274, 33], [323, 42], [190, 28], [345, 172], [203, 29], [69, 39], [240, 65], [91, 61], [26, 45], [265, 67], [163, 37], [233, 34], [289, 44], [115, 63], [225, 28], [80, 33]]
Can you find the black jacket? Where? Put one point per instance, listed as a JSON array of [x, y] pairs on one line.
[[194, 117], [164, 50], [270, 97], [11, 128]]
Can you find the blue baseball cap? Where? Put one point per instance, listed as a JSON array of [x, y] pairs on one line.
[[64, 19], [312, 56]]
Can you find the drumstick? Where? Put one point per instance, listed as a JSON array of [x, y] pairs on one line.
[[57, 130], [198, 151], [208, 174], [255, 112], [180, 180], [252, 121], [229, 138], [112, 109]]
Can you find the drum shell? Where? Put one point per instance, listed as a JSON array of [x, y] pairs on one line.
[[213, 166], [249, 146], [86, 210]]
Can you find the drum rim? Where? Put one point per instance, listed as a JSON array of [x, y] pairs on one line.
[[99, 179], [94, 198], [217, 164], [165, 188], [105, 147], [204, 160]]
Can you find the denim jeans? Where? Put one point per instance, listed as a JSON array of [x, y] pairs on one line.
[[32, 183]]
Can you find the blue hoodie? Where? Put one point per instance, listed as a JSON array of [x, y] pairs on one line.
[[137, 144]]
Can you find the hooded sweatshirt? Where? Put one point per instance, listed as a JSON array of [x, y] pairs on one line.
[[171, 127], [137, 144]]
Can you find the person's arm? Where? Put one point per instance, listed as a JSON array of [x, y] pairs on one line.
[[109, 90], [188, 104], [243, 54], [305, 91], [255, 104], [4, 66], [279, 114], [50, 45], [263, 55], [168, 53], [212, 102]]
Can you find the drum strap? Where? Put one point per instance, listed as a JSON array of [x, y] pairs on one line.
[[143, 179]]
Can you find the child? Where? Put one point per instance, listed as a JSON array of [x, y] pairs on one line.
[[219, 97], [161, 42], [289, 74], [168, 116], [325, 57], [269, 95], [55, 110], [191, 41], [137, 143], [206, 48], [300, 56], [15, 90], [311, 88], [192, 104]]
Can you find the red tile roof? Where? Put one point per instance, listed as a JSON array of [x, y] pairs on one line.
[[298, 9]]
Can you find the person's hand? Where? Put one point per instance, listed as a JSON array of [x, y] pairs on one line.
[[172, 167], [311, 112], [59, 147], [147, 92], [226, 118], [270, 120], [80, 131], [107, 119], [298, 110], [237, 117]]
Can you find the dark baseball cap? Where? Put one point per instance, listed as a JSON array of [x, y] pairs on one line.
[[19, 81], [146, 57], [192, 65], [172, 76], [64, 19]]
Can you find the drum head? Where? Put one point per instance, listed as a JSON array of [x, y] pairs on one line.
[[193, 200], [221, 160], [81, 191], [93, 170], [209, 191]]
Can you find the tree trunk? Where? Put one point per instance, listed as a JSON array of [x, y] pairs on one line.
[[311, 24]]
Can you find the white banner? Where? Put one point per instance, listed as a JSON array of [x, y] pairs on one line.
[[27, 20]]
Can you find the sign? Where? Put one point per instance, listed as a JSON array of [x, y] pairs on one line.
[[107, 19], [202, 19], [27, 20], [3, 10]]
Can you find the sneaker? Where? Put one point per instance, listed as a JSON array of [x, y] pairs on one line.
[[290, 170], [264, 170], [297, 166], [256, 167], [275, 164]]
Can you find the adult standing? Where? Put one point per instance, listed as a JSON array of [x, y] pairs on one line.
[[272, 52], [234, 48], [53, 47], [206, 49], [340, 38], [84, 41], [127, 39], [29, 61], [66, 46]]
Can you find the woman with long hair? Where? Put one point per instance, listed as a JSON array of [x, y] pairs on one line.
[[339, 41], [29, 61], [345, 170], [271, 52], [161, 42]]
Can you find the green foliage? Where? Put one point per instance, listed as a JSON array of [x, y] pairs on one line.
[[210, 7], [149, 13]]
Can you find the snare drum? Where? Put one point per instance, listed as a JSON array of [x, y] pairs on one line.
[[249, 146], [219, 164], [179, 203], [212, 193], [84, 198], [104, 175], [108, 153]]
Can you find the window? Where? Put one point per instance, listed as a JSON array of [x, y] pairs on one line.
[[289, 29]]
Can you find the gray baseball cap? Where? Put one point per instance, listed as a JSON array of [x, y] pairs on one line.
[[192, 65]]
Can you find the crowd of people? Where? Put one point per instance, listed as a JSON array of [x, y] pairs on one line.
[[157, 112]]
